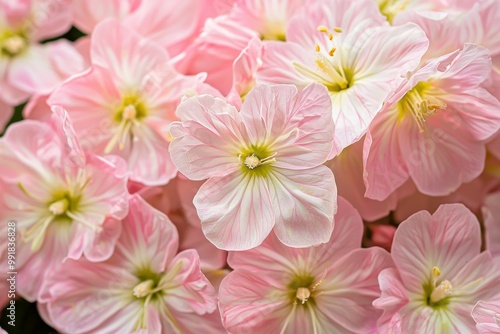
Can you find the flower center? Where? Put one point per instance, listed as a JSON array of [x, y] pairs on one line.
[[421, 102], [128, 116], [302, 289], [438, 292], [151, 286], [329, 69], [256, 159], [12, 44]]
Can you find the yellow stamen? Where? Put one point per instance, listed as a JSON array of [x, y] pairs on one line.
[[330, 36], [337, 29], [318, 49], [323, 29], [332, 51]]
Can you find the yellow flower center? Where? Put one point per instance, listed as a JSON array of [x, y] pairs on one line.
[[421, 102], [128, 115], [330, 70], [12, 44], [256, 159]]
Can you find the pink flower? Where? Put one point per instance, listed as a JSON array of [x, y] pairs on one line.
[[145, 286], [263, 165], [440, 274], [347, 47], [125, 102], [487, 317], [27, 67], [491, 216], [66, 203], [433, 129], [323, 289]]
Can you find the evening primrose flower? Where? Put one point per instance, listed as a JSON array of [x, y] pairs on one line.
[[263, 164], [67, 202], [145, 287], [348, 47], [323, 289], [440, 274]]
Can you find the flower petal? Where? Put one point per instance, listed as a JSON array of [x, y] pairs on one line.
[[236, 211], [305, 203]]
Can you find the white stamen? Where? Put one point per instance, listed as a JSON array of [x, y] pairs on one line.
[[129, 112], [59, 207], [303, 294], [14, 44], [443, 290], [143, 289], [252, 161]]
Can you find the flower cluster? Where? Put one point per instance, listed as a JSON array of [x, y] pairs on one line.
[[252, 166]]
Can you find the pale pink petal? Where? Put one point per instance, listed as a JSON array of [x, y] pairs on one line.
[[447, 240], [349, 164], [393, 296], [236, 211], [305, 204], [385, 169], [251, 302], [348, 287], [49, 18], [148, 158], [305, 118], [486, 314], [442, 157], [127, 56], [191, 291], [216, 50], [171, 25], [147, 231], [208, 140], [89, 99], [88, 13]]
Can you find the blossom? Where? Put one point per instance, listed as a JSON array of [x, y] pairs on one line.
[[263, 165], [347, 47], [67, 203], [125, 102], [144, 286], [278, 289], [27, 67], [433, 128], [440, 274], [487, 317]]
